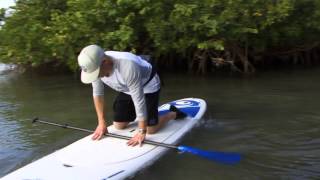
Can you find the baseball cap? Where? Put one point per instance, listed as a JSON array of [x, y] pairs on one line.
[[89, 60]]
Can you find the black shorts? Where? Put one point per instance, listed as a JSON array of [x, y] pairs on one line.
[[124, 110]]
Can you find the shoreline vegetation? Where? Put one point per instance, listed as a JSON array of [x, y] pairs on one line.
[[198, 36]]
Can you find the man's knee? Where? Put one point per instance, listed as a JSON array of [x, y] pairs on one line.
[[120, 125]]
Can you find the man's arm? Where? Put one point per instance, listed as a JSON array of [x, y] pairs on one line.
[[132, 77], [133, 80], [98, 100], [102, 126], [99, 106]]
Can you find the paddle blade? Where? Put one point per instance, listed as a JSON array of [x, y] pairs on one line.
[[222, 157]]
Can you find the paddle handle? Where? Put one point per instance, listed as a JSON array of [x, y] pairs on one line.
[[106, 134]]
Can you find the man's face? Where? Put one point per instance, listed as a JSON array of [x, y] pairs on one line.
[[106, 68]]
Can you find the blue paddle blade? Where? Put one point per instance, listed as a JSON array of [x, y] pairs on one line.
[[222, 157]]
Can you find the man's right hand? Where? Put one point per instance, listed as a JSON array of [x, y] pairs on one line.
[[99, 132]]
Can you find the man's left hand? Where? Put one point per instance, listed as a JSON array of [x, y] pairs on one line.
[[137, 139]]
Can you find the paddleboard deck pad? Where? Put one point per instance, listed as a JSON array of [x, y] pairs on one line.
[[111, 158]]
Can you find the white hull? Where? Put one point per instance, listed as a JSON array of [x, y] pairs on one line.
[[109, 158]]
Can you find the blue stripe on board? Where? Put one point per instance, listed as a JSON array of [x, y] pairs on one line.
[[191, 111]]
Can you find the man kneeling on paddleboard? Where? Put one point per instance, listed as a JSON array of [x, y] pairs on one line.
[[138, 85]]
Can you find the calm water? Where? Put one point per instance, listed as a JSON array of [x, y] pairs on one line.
[[273, 119]]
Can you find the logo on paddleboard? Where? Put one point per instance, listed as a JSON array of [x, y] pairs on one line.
[[185, 103], [189, 106]]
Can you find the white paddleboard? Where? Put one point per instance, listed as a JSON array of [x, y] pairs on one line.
[[111, 158]]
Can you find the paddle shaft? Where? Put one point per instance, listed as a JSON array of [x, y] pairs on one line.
[[106, 134], [226, 158]]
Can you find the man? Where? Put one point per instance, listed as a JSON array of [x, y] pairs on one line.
[[138, 86]]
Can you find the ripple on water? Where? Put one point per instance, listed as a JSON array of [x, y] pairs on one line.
[[290, 154], [14, 145]]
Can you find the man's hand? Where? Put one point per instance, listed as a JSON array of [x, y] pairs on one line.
[[137, 139], [141, 135], [99, 132]]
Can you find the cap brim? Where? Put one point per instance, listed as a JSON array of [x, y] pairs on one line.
[[88, 78]]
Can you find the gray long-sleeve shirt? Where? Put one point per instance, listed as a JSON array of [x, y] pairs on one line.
[[130, 73]]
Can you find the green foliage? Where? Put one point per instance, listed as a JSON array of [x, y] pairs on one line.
[[2, 14], [40, 31], [24, 33]]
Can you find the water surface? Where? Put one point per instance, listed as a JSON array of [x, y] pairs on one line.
[[273, 119]]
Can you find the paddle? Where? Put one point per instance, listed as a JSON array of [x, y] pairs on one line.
[[221, 157]]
